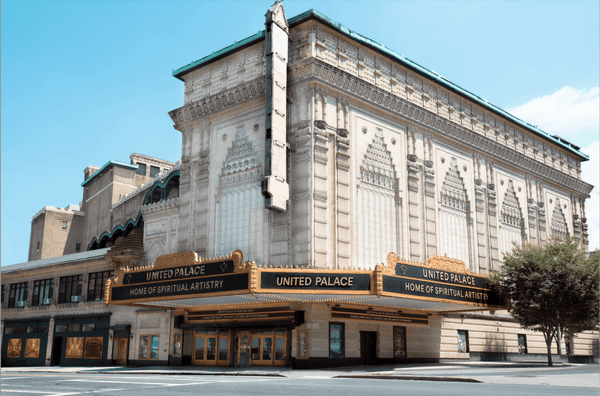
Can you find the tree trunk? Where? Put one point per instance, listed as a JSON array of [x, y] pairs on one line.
[[549, 346]]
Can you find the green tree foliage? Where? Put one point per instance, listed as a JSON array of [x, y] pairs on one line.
[[550, 285]]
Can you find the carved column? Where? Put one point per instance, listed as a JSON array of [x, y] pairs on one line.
[[531, 211], [429, 182], [492, 219], [184, 189], [321, 152], [480, 217], [541, 211], [413, 198], [576, 220], [342, 169], [202, 179]]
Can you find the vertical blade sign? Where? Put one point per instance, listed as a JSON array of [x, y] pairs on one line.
[[275, 187]]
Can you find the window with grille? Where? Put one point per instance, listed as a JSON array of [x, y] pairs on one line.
[[69, 286], [42, 290], [141, 170], [154, 170], [96, 285], [17, 292]]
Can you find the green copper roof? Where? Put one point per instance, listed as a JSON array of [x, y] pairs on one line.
[[314, 14], [238, 45], [105, 168]]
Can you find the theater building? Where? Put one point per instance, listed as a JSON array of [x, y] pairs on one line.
[[335, 203]]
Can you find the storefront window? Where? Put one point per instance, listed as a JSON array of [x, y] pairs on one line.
[[74, 348], [89, 327], [32, 348], [14, 348], [336, 340], [399, 342], [93, 348]]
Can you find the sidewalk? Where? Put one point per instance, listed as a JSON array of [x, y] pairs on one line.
[[562, 374]]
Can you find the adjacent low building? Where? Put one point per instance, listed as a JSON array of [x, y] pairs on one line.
[[335, 203]]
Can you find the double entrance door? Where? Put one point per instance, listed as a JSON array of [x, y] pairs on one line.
[[250, 348]]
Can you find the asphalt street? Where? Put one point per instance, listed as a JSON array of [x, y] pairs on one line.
[[161, 385]]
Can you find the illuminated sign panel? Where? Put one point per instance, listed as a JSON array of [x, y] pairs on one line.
[[181, 287], [315, 281]]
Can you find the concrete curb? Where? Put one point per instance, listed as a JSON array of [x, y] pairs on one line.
[[127, 372], [412, 378]]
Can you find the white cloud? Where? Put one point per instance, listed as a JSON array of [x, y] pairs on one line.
[[570, 113], [589, 171], [575, 115]]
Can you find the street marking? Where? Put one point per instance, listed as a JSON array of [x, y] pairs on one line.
[[138, 383], [38, 392]]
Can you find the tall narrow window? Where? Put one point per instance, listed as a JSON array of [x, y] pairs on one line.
[[3, 290], [336, 341], [78, 247], [64, 225], [70, 286], [463, 341], [42, 292], [96, 284], [377, 205], [453, 220], [17, 293]]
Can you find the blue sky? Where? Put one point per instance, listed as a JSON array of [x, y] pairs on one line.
[[85, 82]]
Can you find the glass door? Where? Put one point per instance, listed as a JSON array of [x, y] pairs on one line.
[[211, 348], [268, 348]]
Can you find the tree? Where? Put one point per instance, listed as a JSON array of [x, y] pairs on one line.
[[551, 285]]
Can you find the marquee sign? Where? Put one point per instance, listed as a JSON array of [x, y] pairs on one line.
[[442, 279], [182, 274], [308, 281], [186, 276]]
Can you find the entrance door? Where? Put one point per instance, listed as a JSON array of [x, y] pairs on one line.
[[368, 347], [122, 351], [268, 348], [211, 348], [56, 351]]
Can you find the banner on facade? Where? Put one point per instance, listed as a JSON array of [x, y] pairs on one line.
[[378, 316]]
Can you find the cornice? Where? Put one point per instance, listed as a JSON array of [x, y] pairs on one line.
[[341, 80], [223, 100]]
